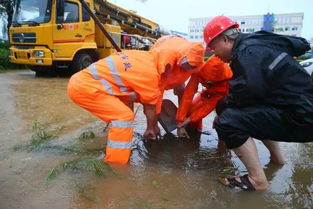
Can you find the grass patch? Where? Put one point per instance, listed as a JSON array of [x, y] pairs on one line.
[[229, 170], [40, 133], [87, 135], [98, 167], [58, 148], [41, 140], [87, 192], [40, 136]]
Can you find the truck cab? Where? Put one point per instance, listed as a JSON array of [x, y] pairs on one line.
[[55, 35]]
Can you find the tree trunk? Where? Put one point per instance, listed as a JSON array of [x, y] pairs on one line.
[[10, 15]]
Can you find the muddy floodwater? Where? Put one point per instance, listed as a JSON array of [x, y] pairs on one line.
[[51, 151]]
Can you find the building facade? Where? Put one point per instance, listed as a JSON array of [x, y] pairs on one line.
[[287, 24]]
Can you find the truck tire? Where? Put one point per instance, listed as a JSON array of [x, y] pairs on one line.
[[81, 61]]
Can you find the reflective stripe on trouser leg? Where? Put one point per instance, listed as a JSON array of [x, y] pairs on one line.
[[119, 142], [109, 109]]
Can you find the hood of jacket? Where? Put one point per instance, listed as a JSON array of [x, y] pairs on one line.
[[294, 46]]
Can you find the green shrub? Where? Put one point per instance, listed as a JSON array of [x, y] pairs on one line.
[[4, 57], [4, 44]]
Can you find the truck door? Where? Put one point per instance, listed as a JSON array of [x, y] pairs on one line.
[[67, 36]]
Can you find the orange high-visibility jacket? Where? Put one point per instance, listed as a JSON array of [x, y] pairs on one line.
[[130, 75], [105, 86], [170, 50], [214, 76]]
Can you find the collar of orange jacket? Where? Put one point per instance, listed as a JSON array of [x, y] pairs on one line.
[[194, 51]]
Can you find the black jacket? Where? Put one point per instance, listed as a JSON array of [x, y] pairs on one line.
[[265, 73]]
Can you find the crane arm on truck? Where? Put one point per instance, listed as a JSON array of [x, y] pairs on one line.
[[97, 21], [129, 21]]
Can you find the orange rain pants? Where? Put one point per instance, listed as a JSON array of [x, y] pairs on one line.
[[214, 76], [107, 86], [169, 51]]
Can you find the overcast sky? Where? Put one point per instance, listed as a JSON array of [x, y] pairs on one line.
[[175, 14]]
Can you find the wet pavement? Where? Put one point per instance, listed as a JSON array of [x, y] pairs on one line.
[[168, 174]]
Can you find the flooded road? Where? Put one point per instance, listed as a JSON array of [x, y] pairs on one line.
[[50, 149]]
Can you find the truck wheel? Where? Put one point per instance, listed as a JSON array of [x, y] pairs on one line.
[[81, 61]]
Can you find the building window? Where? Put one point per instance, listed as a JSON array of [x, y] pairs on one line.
[[191, 37], [250, 30], [286, 28], [294, 28], [191, 30], [196, 37], [278, 29]]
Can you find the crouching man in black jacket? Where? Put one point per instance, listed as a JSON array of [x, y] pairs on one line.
[[270, 96]]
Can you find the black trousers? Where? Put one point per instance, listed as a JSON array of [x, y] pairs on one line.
[[236, 125]]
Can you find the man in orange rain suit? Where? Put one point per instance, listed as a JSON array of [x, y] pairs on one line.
[[214, 76], [106, 87], [178, 68]]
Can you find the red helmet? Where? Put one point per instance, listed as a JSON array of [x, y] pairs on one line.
[[216, 26]]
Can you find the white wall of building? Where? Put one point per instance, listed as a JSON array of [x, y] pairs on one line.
[[287, 24]]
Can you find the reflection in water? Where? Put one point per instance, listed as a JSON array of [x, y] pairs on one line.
[[46, 100], [293, 183], [171, 173]]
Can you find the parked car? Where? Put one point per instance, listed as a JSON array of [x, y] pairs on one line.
[[308, 66]]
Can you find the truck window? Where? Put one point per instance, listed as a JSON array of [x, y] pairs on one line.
[[70, 13], [30, 12], [86, 16]]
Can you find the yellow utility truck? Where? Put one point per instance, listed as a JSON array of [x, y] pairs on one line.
[[60, 35]]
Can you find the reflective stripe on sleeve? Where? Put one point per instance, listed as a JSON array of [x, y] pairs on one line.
[[115, 74], [277, 60], [121, 145], [95, 74], [122, 124]]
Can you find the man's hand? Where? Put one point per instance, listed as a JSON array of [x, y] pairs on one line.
[[157, 132], [149, 111], [149, 134], [183, 124], [181, 132]]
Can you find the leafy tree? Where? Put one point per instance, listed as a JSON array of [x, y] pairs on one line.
[[6, 9]]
